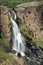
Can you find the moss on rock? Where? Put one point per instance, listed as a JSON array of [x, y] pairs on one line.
[[25, 31]]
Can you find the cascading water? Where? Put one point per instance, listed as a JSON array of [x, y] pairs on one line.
[[18, 39]]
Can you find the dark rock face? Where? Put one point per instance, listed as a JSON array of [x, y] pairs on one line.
[[34, 55], [41, 48]]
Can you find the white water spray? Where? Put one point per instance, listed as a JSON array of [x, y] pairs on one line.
[[18, 39]]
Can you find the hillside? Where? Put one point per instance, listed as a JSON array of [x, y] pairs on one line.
[[13, 3]]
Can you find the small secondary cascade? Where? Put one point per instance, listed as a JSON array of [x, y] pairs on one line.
[[18, 39]]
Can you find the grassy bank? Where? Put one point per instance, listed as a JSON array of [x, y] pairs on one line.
[[4, 55]]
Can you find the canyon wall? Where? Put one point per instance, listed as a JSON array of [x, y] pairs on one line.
[[31, 15], [5, 33]]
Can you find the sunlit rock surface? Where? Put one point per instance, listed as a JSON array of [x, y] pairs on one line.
[[5, 34], [31, 15], [4, 21]]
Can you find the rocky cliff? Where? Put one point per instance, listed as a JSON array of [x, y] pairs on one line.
[[30, 16], [5, 33]]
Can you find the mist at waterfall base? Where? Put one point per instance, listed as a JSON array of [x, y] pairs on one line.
[[18, 39]]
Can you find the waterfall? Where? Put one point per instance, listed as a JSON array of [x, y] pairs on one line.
[[18, 39]]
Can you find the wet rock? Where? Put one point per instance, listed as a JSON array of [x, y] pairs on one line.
[[32, 61], [28, 52], [35, 51], [41, 48], [38, 63], [42, 63], [19, 55]]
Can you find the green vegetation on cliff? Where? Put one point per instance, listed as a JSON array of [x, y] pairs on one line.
[[39, 43], [28, 33], [25, 31], [13, 3]]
